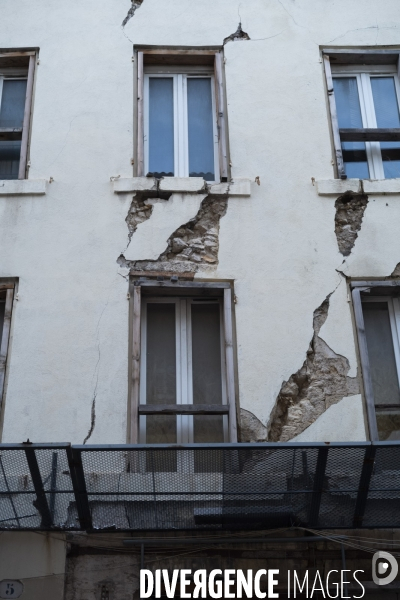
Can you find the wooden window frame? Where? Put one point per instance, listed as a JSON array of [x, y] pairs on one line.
[[25, 131], [367, 286], [355, 62], [171, 55], [5, 335], [176, 289]]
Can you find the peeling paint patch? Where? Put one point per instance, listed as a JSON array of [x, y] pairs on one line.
[[321, 382], [135, 5], [238, 36], [350, 208]]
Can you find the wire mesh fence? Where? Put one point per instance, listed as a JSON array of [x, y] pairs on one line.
[[195, 487]]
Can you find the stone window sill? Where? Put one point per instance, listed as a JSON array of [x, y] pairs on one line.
[[23, 187], [188, 185], [333, 187]]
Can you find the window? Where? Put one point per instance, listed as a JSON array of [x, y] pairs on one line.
[[16, 84], [6, 300], [181, 115], [364, 102], [378, 322], [183, 376]]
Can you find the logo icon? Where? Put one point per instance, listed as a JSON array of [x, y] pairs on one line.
[[384, 564]]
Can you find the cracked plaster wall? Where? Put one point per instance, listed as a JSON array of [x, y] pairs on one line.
[[69, 338]]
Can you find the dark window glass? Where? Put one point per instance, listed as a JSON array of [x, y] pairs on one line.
[[349, 117]]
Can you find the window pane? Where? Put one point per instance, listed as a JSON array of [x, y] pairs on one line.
[[207, 373], [161, 354], [9, 159], [200, 127], [208, 429], [387, 116], [13, 103], [382, 362], [161, 126], [160, 429], [349, 117], [206, 354]]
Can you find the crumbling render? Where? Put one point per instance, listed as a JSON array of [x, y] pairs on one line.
[[192, 246], [139, 212], [350, 210], [238, 36], [396, 272], [320, 382], [135, 5]]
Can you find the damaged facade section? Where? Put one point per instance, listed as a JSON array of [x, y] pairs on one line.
[[193, 245], [197, 240], [350, 210], [238, 36], [320, 382], [135, 5]]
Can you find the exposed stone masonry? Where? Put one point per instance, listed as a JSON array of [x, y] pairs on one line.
[[320, 382], [193, 245], [197, 240], [350, 210]]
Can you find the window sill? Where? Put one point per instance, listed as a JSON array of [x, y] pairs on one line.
[[333, 187], [23, 187], [189, 185]]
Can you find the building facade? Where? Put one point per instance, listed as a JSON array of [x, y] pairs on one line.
[[199, 208]]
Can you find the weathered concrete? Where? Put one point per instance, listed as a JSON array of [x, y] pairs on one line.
[[35, 559]]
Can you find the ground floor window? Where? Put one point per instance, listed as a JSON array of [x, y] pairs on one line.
[[183, 381], [378, 323]]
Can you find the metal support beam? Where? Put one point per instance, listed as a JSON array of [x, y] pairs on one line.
[[363, 488], [316, 497], [41, 500], [183, 409], [79, 485], [176, 541], [369, 135]]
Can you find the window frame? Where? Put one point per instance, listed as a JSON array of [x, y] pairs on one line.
[[173, 57], [367, 108], [25, 132], [185, 290], [355, 62], [9, 289], [181, 134], [390, 287]]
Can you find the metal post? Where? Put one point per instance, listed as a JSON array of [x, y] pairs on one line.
[[79, 485], [41, 500], [316, 497], [53, 484]]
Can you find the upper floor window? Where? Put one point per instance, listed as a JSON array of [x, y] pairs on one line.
[[181, 136], [181, 114], [16, 85], [364, 103]]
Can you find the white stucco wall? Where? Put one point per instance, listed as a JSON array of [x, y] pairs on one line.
[[70, 324]]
